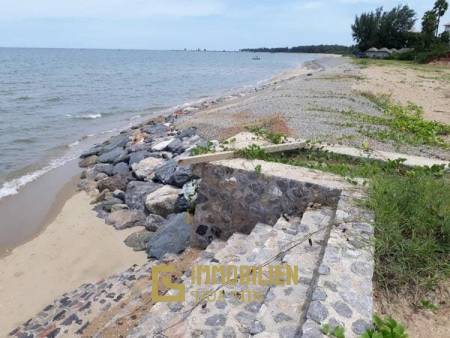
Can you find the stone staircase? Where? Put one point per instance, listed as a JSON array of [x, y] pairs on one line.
[[280, 312], [334, 287]]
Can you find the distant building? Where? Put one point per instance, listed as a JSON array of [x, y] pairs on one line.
[[447, 27], [375, 53], [383, 53]]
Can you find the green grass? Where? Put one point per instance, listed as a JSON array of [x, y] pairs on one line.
[[412, 214], [275, 138], [200, 150]]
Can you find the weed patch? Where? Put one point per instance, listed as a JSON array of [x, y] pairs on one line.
[[402, 124]]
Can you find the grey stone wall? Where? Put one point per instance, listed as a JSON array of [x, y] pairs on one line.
[[234, 200]]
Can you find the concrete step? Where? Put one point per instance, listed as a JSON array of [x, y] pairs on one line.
[[278, 311]]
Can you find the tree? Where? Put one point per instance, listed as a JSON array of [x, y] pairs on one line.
[[445, 37], [429, 22], [365, 29], [383, 29], [394, 26], [440, 7]]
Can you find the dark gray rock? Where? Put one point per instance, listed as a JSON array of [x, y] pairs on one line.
[[113, 156], [249, 322], [104, 168], [108, 203], [170, 173], [154, 222], [253, 307], [118, 141], [317, 312], [188, 132], [360, 326], [138, 156], [216, 320], [136, 192], [156, 130], [179, 146], [319, 294], [120, 194], [139, 240], [121, 168], [342, 309], [93, 151], [117, 182], [172, 238], [281, 317], [181, 204]]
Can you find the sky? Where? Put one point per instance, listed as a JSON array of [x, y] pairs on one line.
[[179, 24]]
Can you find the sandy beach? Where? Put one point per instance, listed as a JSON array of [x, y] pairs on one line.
[[77, 247]]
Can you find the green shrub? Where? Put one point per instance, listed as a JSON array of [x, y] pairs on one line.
[[385, 328]]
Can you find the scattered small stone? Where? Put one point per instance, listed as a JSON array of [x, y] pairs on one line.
[[342, 309], [216, 320], [317, 312], [360, 326]]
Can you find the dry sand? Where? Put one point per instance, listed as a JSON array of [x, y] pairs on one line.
[[77, 247], [425, 85]]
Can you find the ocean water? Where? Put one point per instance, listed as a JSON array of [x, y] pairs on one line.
[[54, 103]]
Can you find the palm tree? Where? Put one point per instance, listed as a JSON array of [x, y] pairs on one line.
[[440, 7]]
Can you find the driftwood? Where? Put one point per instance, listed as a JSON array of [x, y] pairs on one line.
[[226, 155]]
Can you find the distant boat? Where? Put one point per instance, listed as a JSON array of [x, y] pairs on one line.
[[256, 58]]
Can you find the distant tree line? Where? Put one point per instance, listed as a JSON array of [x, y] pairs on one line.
[[394, 29], [326, 49]]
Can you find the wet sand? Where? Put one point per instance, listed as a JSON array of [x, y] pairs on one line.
[[77, 247], [25, 215]]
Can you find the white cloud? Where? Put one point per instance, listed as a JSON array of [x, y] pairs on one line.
[[110, 9]]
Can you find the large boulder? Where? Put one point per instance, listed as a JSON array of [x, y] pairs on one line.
[[114, 156], [136, 192], [172, 238], [145, 169], [138, 156], [162, 201], [180, 145], [162, 144], [170, 173], [118, 141], [88, 161], [121, 168], [116, 182], [156, 130], [139, 240], [107, 204], [104, 168], [154, 222], [92, 151], [122, 219]]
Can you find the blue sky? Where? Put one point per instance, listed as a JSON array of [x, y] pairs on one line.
[[177, 24]]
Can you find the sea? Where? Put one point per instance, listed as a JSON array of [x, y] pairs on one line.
[[54, 103]]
